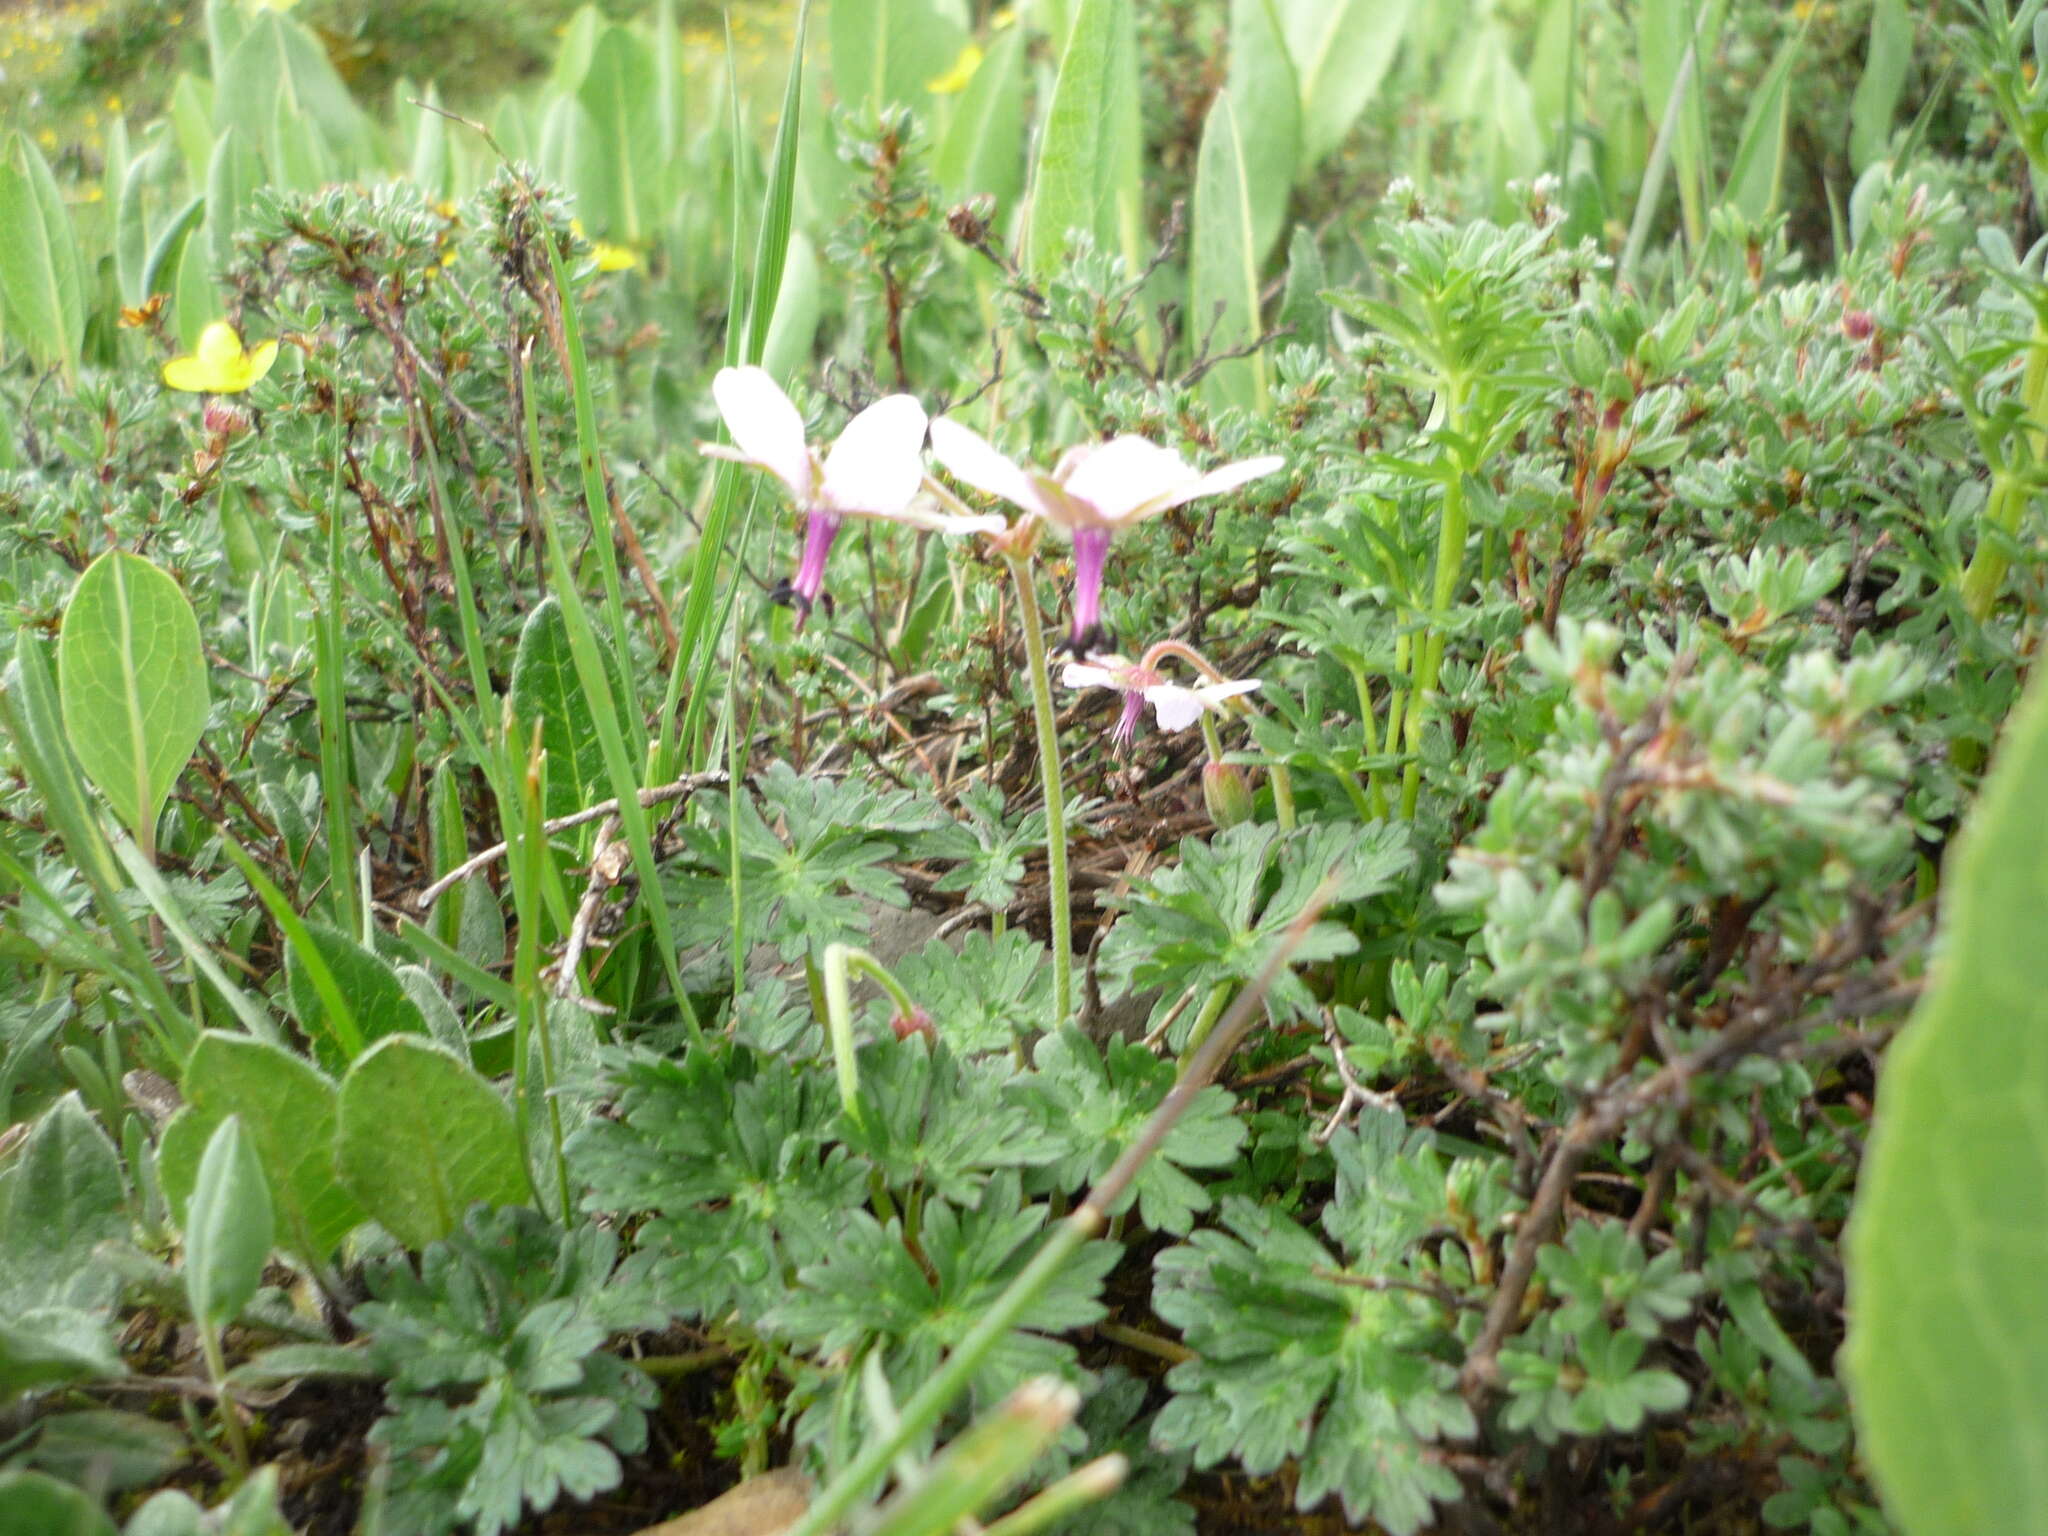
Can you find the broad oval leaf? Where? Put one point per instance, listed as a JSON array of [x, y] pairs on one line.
[[1341, 50], [228, 1227], [35, 1501], [40, 274], [545, 687], [889, 51], [344, 996], [1947, 1355], [1082, 152], [422, 1137], [63, 1197], [1223, 276], [1266, 100], [288, 1109], [983, 148], [131, 675]]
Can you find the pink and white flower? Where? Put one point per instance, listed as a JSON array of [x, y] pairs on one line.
[[874, 469], [1095, 490], [1174, 707]]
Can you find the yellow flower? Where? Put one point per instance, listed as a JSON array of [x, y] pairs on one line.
[[219, 366], [610, 258], [956, 78]]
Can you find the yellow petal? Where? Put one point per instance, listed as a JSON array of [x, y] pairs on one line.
[[219, 366], [962, 71], [259, 361], [220, 349], [614, 258], [186, 373]]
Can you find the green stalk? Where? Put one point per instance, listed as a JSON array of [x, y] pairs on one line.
[[217, 1373], [528, 859], [1055, 804], [1451, 528], [2008, 497], [329, 679]]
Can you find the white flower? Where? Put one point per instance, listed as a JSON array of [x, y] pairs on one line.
[[1174, 706], [1094, 490], [874, 469]]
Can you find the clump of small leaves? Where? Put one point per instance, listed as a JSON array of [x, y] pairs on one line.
[[500, 1394]]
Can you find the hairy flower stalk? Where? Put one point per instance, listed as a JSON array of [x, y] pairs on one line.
[[874, 469], [1016, 546], [1095, 490], [1059, 898]]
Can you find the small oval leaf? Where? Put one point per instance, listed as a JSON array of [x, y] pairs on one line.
[[131, 676]]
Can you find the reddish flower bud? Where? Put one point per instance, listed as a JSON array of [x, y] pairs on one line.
[[1858, 324], [918, 1023], [223, 419]]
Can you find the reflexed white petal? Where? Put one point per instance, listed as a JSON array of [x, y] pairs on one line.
[[1118, 477], [1081, 675], [878, 463], [1216, 693], [922, 515], [768, 429], [967, 456], [1174, 707], [1227, 477]]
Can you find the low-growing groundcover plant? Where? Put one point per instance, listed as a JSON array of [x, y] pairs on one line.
[[1323, 957]]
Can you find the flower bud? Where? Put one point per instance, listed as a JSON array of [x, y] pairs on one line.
[[1226, 794], [224, 420], [1858, 324]]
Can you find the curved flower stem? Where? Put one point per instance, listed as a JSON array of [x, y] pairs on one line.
[[1055, 804]]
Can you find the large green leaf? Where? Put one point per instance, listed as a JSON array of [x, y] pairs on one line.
[[1223, 274], [45, 1347], [276, 55], [289, 1109], [422, 1137], [1082, 151], [886, 51], [1756, 178], [1883, 81], [35, 1501], [1341, 50], [233, 173], [41, 278], [62, 1198], [619, 92], [132, 677], [1947, 1355], [1266, 99], [545, 688], [983, 148], [360, 999]]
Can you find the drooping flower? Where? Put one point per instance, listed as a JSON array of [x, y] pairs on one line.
[[1174, 706], [874, 469], [1094, 490], [218, 365]]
